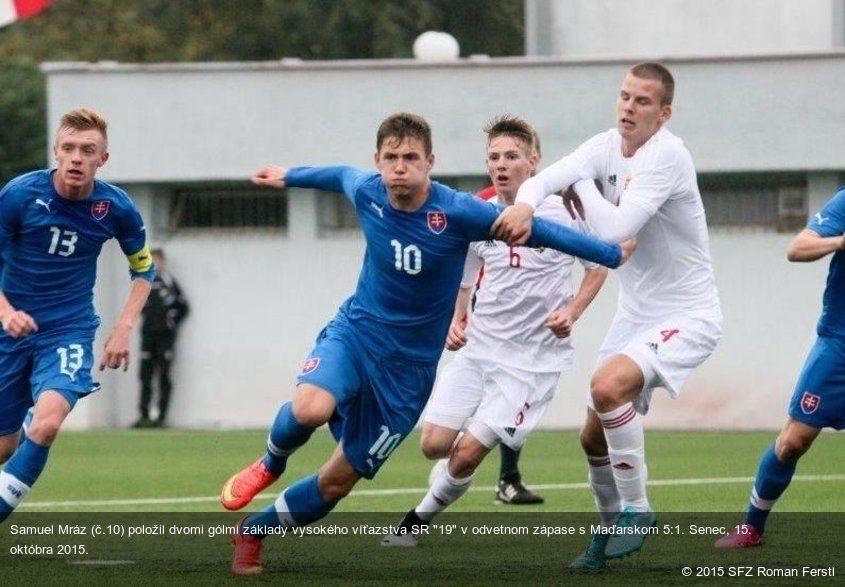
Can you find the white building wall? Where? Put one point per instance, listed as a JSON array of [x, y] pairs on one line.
[[259, 300], [660, 28]]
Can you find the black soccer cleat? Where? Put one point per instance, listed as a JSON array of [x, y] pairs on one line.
[[515, 493]]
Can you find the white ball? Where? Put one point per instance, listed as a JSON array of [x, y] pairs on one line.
[[436, 46]]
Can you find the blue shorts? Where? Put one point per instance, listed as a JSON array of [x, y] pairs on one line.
[[819, 396], [57, 360], [379, 401]]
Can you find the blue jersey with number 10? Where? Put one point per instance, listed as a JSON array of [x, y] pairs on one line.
[[50, 245], [414, 261]]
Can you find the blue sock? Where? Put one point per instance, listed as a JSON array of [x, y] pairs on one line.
[[20, 472], [305, 504], [286, 435], [773, 477]]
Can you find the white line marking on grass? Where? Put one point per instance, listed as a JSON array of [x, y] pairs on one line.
[[405, 491]]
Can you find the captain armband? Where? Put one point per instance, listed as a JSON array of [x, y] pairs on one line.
[[141, 261]]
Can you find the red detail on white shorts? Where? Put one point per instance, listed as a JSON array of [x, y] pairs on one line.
[[667, 334]]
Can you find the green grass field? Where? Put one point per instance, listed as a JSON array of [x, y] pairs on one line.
[[116, 480]]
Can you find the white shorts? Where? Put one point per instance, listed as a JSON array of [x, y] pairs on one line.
[[666, 351], [505, 403]]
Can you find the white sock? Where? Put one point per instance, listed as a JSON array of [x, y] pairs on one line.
[[604, 489], [12, 489], [623, 429], [443, 492], [283, 512]]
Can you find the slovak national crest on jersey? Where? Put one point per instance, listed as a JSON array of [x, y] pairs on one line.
[[810, 402], [310, 365], [100, 208], [437, 222]]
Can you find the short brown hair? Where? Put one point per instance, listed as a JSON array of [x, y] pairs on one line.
[[85, 119], [515, 127], [403, 125], [657, 72]]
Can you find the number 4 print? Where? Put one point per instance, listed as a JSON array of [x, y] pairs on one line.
[[667, 334]]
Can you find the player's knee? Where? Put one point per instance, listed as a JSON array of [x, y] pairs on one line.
[[603, 393], [312, 411], [434, 448], [791, 447], [44, 430]]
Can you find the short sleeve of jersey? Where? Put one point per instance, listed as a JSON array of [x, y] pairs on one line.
[[131, 235], [830, 220]]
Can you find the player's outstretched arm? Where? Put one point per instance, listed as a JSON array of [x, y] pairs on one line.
[[550, 234], [808, 245]]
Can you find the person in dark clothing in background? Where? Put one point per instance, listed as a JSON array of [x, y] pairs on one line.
[[163, 314]]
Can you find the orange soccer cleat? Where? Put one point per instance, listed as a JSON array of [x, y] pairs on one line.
[[242, 487], [247, 557], [742, 536]]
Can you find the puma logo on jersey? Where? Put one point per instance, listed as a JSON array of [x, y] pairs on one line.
[[379, 209], [40, 202]]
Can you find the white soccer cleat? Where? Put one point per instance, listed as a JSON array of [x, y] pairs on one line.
[[407, 540]]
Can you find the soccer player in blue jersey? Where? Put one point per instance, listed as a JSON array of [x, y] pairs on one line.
[[53, 224], [372, 368], [819, 396]]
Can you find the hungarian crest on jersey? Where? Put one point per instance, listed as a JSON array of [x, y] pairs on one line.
[[437, 222], [310, 365], [100, 209], [810, 402]]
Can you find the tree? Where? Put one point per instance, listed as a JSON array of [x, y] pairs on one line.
[[23, 119]]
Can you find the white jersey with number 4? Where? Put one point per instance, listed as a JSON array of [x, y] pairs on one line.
[[671, 271], [520, 287]]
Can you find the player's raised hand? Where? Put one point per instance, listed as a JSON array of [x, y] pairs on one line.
[[514, 224], [18, 324], [271, 176]]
